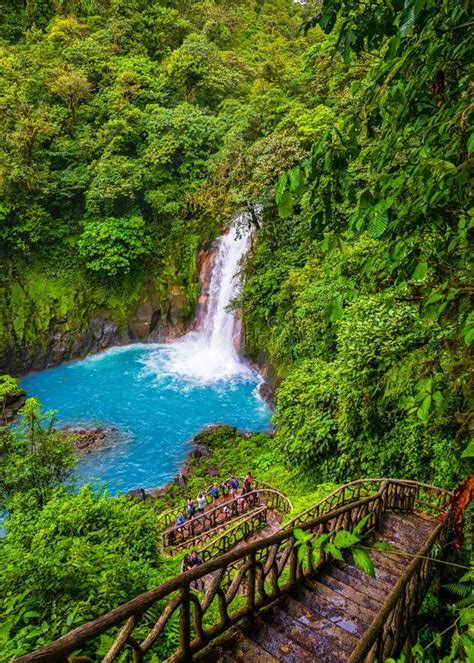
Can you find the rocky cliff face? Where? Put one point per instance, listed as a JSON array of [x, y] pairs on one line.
[[157, 314], [46, 319]]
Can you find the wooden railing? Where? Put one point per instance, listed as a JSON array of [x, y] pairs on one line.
[[247, 579], [239, 532], [195, 530], [168, 518], [387, 634], [412, 494]]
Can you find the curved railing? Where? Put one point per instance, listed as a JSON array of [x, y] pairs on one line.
[[251, 577], [168, 518], [194, 530], [236, 534], [426, 497]]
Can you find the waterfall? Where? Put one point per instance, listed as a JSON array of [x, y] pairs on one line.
[[209, 353]]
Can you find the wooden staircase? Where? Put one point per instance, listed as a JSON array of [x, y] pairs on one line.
[[324, 620], [264, 602]]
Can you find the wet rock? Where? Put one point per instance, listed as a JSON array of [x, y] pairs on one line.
[[143, 320], [211, 472], [266, 392], [13, 404], [199, 451], [88, 441], [181, 479], [137, 494], [157, 493]]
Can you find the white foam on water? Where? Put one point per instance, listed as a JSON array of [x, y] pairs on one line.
[[209, 353]]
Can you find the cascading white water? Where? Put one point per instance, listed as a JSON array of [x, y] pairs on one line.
[[209, 352], [220, 329]]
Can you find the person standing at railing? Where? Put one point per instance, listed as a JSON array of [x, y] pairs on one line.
[[179, 524], [234, 484], [215, 492], [201, 502], [248, 481], [191, 508], [193, 561]]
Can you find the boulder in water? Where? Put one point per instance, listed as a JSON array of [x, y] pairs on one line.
[[88, 441]]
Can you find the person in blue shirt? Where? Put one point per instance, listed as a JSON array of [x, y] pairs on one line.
[[215, 492]]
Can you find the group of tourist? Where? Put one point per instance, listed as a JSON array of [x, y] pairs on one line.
[[220, 493], [227, 491]]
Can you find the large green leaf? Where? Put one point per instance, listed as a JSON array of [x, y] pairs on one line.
[[285, 205], [333, 551], [344, 539], [363, 561], [378, 223]]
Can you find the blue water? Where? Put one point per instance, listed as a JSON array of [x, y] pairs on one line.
[[155, 410]]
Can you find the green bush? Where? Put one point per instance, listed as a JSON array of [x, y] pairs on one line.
[[113, 246]]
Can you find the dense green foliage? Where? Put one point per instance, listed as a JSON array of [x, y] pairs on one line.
[[34, 459], [365, 276], [130, 131], [73, 560]]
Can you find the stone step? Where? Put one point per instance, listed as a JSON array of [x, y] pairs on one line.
[[351, 593], [247, 651], [382, 581], [362, 583], [333, 637], [336, 608], [320, 648], [278, 643]]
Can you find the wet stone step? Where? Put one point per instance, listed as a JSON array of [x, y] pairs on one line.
[[351, 593], [364, 585], [279, 644], [304, 636], [334, 636], [247, 651], [382, 581], [337, 609]]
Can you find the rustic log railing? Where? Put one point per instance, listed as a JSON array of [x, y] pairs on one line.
[[230, 537], [194, 531], [427, 498], [168, 518], [247, 579], [246, 515]]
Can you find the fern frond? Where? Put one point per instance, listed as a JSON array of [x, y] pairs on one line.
[[458, 588]]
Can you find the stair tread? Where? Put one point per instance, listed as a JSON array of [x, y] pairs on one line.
[[381, 581], [405, 531], [350, 592], [338, 609], [332, 634], [304, 636], [245, 649], [280, 645], [364, 584]]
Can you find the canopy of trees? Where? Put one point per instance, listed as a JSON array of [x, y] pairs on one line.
[[130, 131]]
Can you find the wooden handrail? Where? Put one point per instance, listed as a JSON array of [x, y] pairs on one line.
[[375, 630], [254, 565], [170, 515], [359, 482], [282, 504], [259, 515]]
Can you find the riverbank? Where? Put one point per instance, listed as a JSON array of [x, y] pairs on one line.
[[220, 451]]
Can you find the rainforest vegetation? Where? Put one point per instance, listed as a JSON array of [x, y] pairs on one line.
[[130, 132]]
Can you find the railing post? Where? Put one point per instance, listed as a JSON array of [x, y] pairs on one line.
[[251, 589], [185, 623]]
